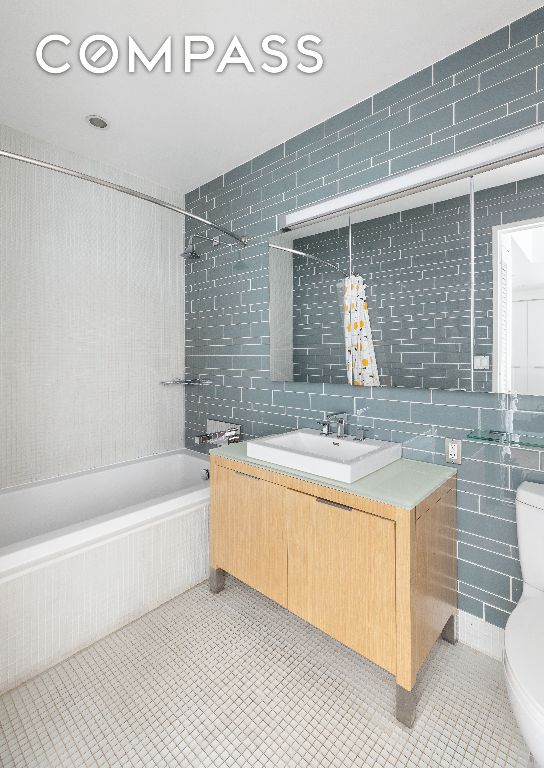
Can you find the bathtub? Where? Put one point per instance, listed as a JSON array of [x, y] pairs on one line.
[[82, 555]]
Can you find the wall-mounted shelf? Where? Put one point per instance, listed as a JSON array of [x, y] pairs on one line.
[[507, 438]]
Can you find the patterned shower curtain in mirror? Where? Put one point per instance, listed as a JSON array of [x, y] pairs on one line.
[[361, 367]]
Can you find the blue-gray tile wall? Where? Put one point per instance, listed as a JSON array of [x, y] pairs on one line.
[[417, 268], [227, 289], [318, 342]]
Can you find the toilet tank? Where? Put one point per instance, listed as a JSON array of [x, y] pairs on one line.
[[530, 517]]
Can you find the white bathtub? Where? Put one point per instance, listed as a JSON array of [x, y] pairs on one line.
[[85, 554]]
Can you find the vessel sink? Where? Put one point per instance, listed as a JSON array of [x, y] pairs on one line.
[[307, 450]]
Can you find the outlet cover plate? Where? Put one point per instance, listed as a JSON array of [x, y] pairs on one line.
[[453, 450], [481, 362]]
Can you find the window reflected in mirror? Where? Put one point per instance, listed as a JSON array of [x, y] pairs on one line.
[[520, 332], [509, 288]]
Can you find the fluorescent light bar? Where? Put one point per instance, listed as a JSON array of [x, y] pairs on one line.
[[501, 152]]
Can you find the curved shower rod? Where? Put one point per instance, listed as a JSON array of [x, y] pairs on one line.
[[308, 256], [242, 239]]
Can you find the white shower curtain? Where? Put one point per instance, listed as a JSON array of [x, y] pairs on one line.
[[361, 367]]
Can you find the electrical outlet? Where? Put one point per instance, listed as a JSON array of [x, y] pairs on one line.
[[453, 451], [481, 362]]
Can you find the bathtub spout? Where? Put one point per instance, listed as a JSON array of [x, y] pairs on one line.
[[218, 438]]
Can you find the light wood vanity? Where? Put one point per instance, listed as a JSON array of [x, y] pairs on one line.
[[357, 561]]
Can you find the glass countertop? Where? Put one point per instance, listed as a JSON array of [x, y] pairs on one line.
[[404, 483]]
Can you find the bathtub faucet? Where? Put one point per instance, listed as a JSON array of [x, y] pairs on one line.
[[228, 436]]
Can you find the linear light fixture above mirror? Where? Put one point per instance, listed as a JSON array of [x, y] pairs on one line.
[[511, 149]]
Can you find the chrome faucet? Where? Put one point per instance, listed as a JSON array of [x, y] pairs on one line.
[[218, 438], [325, 427], [339, 419], [360, 433], [341, 426]]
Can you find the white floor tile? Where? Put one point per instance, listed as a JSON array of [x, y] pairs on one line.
[[232, 680]]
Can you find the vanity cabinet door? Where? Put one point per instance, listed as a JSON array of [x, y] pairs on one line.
[[248, 531], [342, 576]]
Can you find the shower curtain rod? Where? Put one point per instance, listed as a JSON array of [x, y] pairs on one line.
[[308, 256], [242, 239]]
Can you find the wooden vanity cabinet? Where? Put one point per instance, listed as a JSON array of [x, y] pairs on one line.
[[378, 578]]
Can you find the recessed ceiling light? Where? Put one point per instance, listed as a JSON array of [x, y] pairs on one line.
[[96, 121]]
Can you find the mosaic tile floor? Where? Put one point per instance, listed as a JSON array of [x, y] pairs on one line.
[[234, 680]]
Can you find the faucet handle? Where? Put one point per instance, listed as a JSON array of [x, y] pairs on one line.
[[360, 432], [325, 426]]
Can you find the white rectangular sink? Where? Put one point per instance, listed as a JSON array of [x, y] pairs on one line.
[[342, 459]]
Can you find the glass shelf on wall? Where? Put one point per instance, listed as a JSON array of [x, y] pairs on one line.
[[507, 438]]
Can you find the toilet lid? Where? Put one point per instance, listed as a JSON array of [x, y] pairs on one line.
[[524, 647]]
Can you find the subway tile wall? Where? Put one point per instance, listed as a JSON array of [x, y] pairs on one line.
[[416, 264], [318, 295], [490, 89], [91, 318]]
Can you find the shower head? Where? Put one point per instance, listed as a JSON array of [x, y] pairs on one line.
[[192, 253]]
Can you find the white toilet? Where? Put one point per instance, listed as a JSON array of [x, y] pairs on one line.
[[524, 635]]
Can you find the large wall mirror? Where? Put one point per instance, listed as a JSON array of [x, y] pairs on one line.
[[439, 288], [385, 300]]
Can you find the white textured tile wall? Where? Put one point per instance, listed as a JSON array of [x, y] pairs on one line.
[[479, 634], [51, 612], [91, 318]]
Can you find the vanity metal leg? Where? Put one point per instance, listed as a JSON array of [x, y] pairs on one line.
[[448, 633], [406, 706], [216, 580]]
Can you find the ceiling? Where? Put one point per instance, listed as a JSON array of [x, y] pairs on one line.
[[182, 130]]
